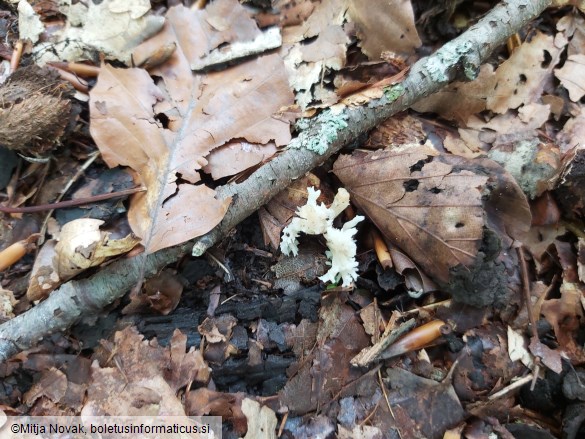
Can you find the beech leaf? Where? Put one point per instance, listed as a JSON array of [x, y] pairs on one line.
[[431, 206], [166, 130]]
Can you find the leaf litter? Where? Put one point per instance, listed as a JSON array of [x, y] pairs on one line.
[[451, 225], [171, 127]]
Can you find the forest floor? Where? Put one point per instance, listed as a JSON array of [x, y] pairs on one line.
[[325, 218]]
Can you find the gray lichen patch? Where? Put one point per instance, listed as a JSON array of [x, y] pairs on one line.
[[325, 130], [445, 59]]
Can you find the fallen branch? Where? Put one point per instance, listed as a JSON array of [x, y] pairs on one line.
[[327, 132]]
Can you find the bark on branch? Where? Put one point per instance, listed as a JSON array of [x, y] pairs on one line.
[[456, 59]]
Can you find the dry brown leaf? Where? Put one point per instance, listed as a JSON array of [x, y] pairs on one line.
[[235, 157], [44, 276], [340, 337], [169, 129], [326, 13], [572, 76], [565, 315], [201, 402], [431, 205], [572, 26], [522, 78], [400, 129], [160, 293], [53, 385], [578, 3], [81, 245], [307, 65], [420, 205], [415, 280], [517, 81], [459, 100], [480, 135], [112, 28], [573, 132], [532, 163], [384, 25], [148, 373], [200, 31], [374, 91]]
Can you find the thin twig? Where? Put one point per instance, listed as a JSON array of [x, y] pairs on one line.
[[526, 291], [72, 203], [92, 157], [16, 55], [511, 387], [383, 387]]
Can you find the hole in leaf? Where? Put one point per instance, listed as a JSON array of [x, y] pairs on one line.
[[522, 78], [459, 225], [410, 185], [547, 59], [435, 190], [308, 41], [420, 164], [163, 119]]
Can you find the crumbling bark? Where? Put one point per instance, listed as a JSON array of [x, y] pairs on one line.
[[457, 59]]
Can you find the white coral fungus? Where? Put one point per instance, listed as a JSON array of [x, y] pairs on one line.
[[317, 219]]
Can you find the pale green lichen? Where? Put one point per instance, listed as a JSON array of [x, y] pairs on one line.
[[393, 92], [439, 64], [302, 124], [329, 125]]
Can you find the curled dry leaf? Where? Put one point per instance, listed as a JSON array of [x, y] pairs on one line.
[[160, 293], [166, 131], [435, 207], [81, 245], [149, 375]]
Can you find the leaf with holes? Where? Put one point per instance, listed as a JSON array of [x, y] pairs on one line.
[[432, 206], [166, 130]]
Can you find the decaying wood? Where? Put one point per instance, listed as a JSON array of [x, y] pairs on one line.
[[303, 303], [458, 58]]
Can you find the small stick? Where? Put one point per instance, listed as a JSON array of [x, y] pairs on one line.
[[16, 55], [16, 251], [77, 68], [72, 203], [526, 291], [511, 387], [77, 83], [90, 159], [382, 252]]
